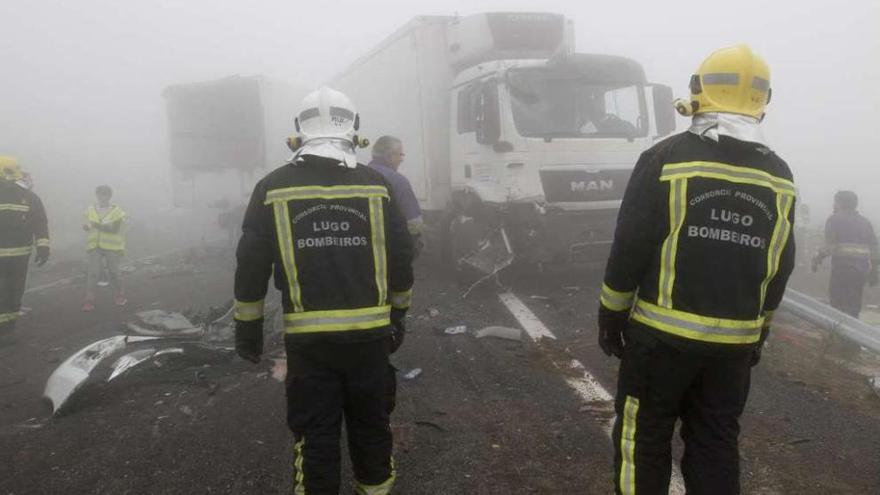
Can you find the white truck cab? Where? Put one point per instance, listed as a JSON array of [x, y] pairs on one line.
[[509, 134]]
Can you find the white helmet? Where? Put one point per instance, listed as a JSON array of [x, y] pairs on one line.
[[327, 124]]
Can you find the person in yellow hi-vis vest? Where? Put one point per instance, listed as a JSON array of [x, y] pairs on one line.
[[105, 226]]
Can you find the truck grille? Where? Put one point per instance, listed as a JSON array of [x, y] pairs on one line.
[[575, 186]]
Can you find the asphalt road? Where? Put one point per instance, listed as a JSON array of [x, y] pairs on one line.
[[484, 416]]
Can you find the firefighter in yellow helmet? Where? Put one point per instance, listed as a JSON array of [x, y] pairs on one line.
[[701, 256], [23, 226]]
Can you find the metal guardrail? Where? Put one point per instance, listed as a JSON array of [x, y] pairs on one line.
[[825, 316]]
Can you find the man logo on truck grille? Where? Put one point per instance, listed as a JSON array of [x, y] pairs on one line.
[[592, 185]]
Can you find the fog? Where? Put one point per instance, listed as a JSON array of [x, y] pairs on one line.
[[80, 96]]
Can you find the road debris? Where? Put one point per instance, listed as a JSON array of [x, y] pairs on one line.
[[279, 369], [456, 330], [73, 372], [875, 384], [412, 374], [430, 424], [505, 333], [158, 322], [433, 312], [163, 333]]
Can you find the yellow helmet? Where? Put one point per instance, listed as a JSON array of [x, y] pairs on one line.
[[731, 80], [9, 169]]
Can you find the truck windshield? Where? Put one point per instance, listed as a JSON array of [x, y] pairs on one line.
[[548, 104]]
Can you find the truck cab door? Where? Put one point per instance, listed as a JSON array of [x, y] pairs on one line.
[[478, 125]]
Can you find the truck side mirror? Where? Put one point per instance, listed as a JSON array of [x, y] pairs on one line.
[[664, 111], [488, 118]]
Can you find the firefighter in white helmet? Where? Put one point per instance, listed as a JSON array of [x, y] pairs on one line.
[[327, 228], [701, 256]]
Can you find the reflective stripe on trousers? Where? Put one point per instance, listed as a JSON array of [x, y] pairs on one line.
[[627, 475]]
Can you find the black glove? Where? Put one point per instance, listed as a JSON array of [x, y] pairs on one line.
[[611, 327], [42, 255], [249, 339], [398, 328], [756, 352]]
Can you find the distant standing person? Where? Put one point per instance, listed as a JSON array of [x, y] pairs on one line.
[[105, 225], [387, 156], [852, 245], [23, 225]]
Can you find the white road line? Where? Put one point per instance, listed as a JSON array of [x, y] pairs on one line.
[[530, 323], [584, 384], [50, 285]]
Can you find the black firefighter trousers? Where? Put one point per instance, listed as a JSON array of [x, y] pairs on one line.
[[657, 385], [13, 276], [327, 381], [845, 288]]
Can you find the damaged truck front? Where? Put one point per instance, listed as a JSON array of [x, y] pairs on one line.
[[516, 147]]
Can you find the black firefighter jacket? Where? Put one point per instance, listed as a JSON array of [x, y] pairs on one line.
[[703, 247], [23, 222], [337, 246]]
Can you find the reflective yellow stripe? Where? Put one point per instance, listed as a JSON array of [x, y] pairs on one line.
[[248, 311], [383, 488], [696, 327], [325, 192], [337, 320], [16, 251], [15, 207], [614, 300], [677, 210], [777, 241], [284, 231], [401, 300], [627, 480], [731, 173], [299, 487], [852, 250], [42, 242], [7, 317], [380, 262]]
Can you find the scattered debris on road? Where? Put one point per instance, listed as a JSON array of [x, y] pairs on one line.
[[73, 372], [412, 374], [456, 330], [505, 333]]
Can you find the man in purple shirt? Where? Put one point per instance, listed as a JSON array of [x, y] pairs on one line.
[[387, 156]]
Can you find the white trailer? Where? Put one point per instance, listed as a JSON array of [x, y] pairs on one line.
[[224, 134]]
